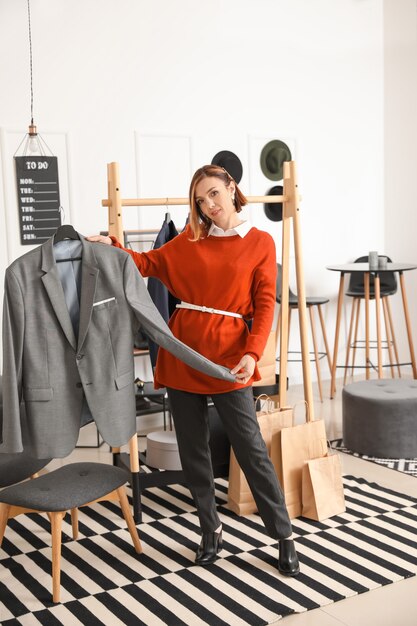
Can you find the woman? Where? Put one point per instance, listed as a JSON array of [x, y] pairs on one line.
[[224, 272]]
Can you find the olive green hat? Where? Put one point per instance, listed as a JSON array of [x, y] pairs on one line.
[[273, 155]]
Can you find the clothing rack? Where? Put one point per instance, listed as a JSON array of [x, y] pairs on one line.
[[290, 215]]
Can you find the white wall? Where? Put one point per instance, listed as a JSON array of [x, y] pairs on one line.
[[400, 150], [212, 75]]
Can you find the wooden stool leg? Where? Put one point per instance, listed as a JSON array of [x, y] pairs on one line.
[[394, 341], [377, 285], [74, 523], [316, 354], [124, 504], [278, 327], [134, 481], [4, 516], [336, 336], [323, 330], [289, 325], [408, 326], [56, 532], [349, 341], [388, 335], [367, 296], [355, 339]]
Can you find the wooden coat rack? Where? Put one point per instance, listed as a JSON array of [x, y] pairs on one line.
[[290, 214]]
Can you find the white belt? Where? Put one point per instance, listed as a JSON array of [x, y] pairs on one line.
[[206, 309]]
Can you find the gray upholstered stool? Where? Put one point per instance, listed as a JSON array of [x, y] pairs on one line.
[[380, 418], [67, 488]]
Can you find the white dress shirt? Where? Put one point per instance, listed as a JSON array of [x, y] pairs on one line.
[[241, 230]]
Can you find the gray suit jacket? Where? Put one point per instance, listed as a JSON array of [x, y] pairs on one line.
[[50, 369]]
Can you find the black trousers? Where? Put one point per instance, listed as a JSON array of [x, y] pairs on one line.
[[237, 412]]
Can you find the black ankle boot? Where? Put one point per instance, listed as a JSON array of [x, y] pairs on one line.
[[210, 546], [288, 563]]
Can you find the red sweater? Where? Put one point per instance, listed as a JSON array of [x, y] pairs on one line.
[[228, 273]]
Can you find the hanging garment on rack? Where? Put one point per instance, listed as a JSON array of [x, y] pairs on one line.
[[51, 369], [164, 301]]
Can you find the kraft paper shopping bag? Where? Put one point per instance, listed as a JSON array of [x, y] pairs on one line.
[[322, 488], [271, 420], [290, 449]]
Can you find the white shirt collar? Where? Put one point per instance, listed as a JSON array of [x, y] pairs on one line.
[[241, 230]]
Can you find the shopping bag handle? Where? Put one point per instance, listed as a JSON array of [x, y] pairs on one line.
[[307, 410], [270, 403], [265, 398]]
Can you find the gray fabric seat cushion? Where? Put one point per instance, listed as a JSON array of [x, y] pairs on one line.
[[68, 487], [380, 418]]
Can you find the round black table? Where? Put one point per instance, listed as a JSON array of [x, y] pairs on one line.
[[349, 268]]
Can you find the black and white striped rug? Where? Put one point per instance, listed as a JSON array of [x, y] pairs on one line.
[[407, 466], [104, 582]]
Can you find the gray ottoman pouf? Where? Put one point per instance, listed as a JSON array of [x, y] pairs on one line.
[[380, 418], [162, 450]]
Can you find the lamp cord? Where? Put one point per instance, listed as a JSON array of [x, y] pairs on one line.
[[31, 68], [41, 142]]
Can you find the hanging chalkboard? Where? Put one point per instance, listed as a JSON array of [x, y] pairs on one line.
[[38, 197]]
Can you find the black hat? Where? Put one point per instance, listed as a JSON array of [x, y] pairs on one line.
[[273, 211], [231, 164], [273, 155]]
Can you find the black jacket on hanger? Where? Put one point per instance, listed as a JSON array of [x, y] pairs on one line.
[[164, 301]]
